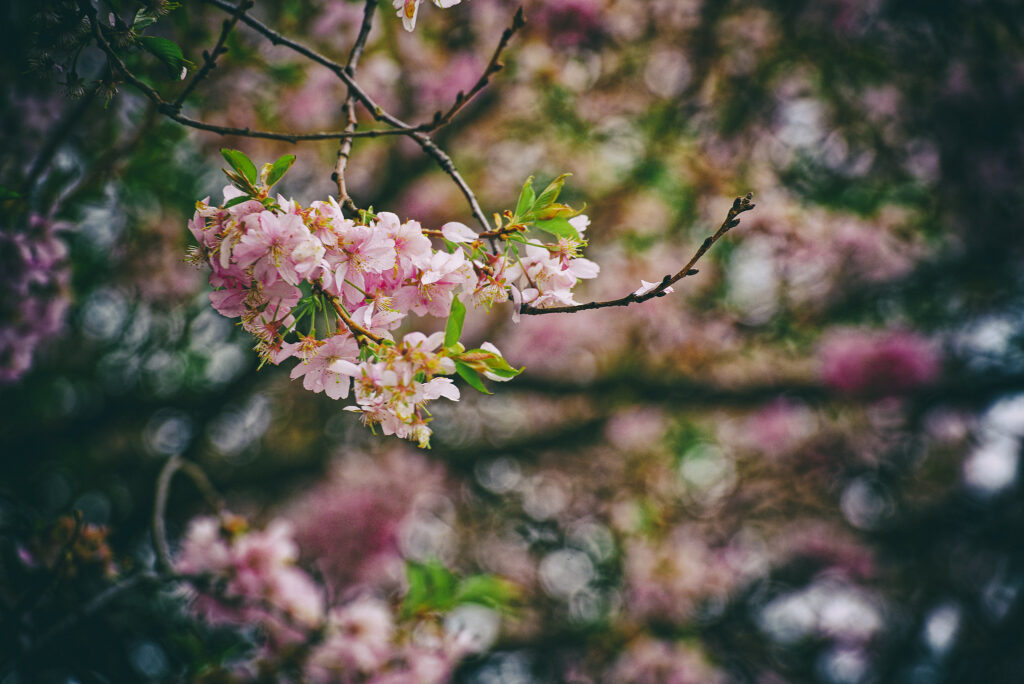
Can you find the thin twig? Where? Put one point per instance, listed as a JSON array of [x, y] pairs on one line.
[[739, 205], [493, 67], [210, 58], [345, 146]]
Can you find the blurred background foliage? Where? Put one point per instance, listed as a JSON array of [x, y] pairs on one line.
[[801, 467]]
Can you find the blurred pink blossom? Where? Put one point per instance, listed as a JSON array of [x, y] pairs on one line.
[[878, 364]]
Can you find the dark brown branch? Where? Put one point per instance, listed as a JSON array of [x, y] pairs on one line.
[[170, 110], [210, 58], [739, 205]]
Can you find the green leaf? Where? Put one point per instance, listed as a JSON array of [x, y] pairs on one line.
[[236, 201], [551, 192], [471, 377], [431, 588], [241, 163], [453, 329], [166, 50], [526, 198], [280, 168], [7, 193], [487, 590], [555, 210], [559, 227]]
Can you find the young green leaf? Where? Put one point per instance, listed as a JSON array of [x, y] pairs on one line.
[[526, 198], [142, 19], [559, 227], [280, 168], [236, 201], [453, 329], [167, 51], [471, 377], [551, 192], [241, 163]]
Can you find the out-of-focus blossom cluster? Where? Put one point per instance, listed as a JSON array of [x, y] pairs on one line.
[[34, 296], [355, 524], [249, 577], [276, 263], [878, 364]]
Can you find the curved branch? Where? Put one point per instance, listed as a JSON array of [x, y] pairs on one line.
[[739, 205], [163, 488]]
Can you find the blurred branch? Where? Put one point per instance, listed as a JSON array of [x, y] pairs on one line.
[[163, 487], [210, 58], [57, 135], [739, 205]]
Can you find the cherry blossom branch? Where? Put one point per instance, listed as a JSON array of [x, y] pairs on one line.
[[345, 147], [163, 488], [739, 205], [210, 58]]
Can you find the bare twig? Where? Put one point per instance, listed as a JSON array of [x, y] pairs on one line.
[[493, 67], [345, 147], [739, 205], [210, 58]]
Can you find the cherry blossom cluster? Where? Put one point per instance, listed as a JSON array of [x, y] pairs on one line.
[[246, 576], [284, 269], [34, 287]]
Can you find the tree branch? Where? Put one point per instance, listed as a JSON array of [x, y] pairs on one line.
[[739, 205], [340, 71]]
